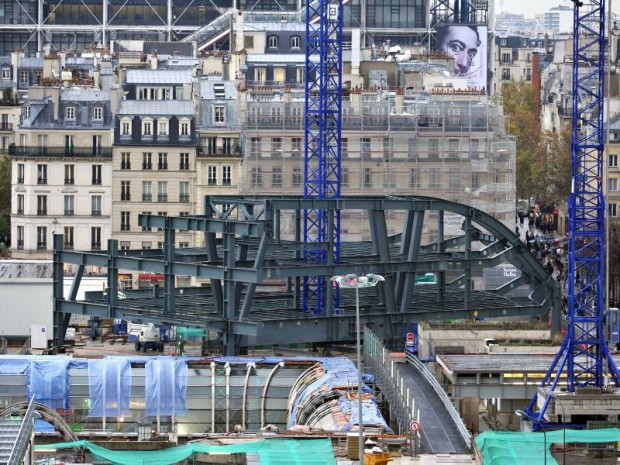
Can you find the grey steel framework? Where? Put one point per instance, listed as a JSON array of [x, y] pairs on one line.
[[244, 248]]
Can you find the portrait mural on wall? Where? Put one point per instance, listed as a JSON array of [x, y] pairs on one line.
[[467, 44]]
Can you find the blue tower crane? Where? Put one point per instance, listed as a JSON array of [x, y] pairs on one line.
[[322, 144], [584, 355]]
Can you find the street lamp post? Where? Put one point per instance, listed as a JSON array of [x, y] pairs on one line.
[[526, 416], [559, 401], [353, 281]]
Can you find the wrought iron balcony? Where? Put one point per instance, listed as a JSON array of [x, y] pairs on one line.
[[87, 152]]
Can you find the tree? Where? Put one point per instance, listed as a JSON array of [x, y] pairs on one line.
[[556, 179], [5, 196], [520, 107]]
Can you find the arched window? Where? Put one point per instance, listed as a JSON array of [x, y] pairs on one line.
[[272, 41]]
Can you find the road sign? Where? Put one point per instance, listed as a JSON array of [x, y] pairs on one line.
[[410, 339], [414, 426]]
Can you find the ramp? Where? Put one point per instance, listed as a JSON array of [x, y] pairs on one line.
[[440, 432]]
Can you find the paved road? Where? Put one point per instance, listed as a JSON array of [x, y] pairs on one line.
[[439, 434]]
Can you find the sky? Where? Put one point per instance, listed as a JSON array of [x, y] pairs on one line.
[[531, 8]]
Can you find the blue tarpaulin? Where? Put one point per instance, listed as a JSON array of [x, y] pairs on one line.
[[48, 382], [109, 382], [166, 386]]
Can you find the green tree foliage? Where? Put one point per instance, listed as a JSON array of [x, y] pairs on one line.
[[543, 158], [524, 124], [5, 196]]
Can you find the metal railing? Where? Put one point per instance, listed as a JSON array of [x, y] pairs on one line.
[[391, 383], [30, 151], [445, 400], [23, 436]]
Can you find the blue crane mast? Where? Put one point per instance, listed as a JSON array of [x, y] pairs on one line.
[[322, 144], [584, 355]]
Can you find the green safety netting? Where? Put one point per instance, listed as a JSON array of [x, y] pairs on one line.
[[506, 448], [269, 451]]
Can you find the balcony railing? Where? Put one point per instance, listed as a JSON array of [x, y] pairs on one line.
[[147, 166], [6, 126], [147, 197], [68, 245], [162, 198], [20, 211], [29, 151], [20, 180], [226, 182], [183, 166], [42, 212], [184, 198], [125, 197], [42, 245], [125, 166], [69, 181], [69, 212], [20, 244], [162, 166], [41, 180], [96, 181], [96, 213]]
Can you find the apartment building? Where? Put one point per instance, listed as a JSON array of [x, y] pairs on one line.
[[62, 171], [514, 59], [154, 155]]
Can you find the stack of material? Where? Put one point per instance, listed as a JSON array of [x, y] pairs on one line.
[[353, 449]]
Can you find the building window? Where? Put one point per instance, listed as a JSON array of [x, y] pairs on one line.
[[126, 127], [147, 245], [296, 179], [367, 178], [27, 112], [162, 164], [96, 205], [506, 74], [68, 237], [24, 77], [125, 224], [435, 178], [296, 145], [6, 73], [219, 114], [125, 191], [414, 178], [453, 146], [20, 173], [272, 41], [41, 238], [162, 127], [433, 146], [20, 204], [147, 127], [475, 180], [147, 193], [295, 41], [69, 174], [70, 113], [613, 161], [506, 58], [183, 245], [162, 191], [125, 245], [96, 175], [365, 147], [146, 228], [260, 74], [20, 238], [211, 175], [255, 146], [226, 175], [276, 177], [345, 177], [41, 174], [454, 178], [276, 146], [528, 74], [125, 160], [41, 205], [184, 191], [612, 209], [98, 114], [69, 205], [613, 184], [183, 128], [95, 238], [184, 161], [502, 41], [256, 178], [147, 163]]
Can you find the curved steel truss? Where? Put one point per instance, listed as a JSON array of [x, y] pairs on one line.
[[249, 246]]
